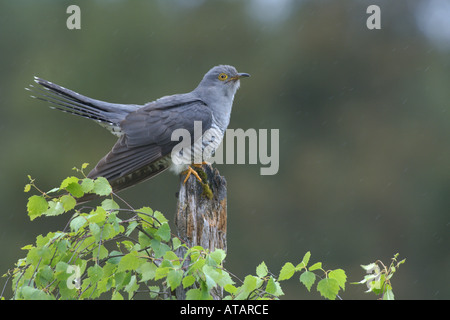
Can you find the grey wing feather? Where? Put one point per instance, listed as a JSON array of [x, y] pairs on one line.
[[147, 139]]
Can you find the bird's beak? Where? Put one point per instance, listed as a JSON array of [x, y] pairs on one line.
[[243, 75], [240, 75]]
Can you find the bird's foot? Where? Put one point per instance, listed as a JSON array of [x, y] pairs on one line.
[[190, 171]]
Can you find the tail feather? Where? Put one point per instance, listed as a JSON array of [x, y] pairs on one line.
[[67, 104], [60, 98]]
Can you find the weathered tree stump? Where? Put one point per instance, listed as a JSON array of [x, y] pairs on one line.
[[201, 218]]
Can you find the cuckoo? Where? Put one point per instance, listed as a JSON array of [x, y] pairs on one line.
[[145, 146]]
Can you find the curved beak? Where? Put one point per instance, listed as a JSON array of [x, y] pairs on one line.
[[243, 75], [239, 75]]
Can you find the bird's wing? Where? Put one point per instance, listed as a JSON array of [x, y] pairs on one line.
[[147, 138]]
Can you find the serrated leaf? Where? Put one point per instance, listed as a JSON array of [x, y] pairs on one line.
[[308, 278], [164, 232], [110, 205], [101, 187], [188, 281], [261, 270], [340, 277], [131, 228], [116, 296], [27, 188], [36, 206], [328, 288], [176, 243], [77, 223], [87, 185], [129, 262], [161, 272], [67, 181], [315, 266], [287, 271], [174, 278], [273, 287], [304, 262], [132, 286], [68, 202], [55, 208], [159, 248], [95, 273], [147, 271], [198, 294], [250, 284], [218, 255], [219, 276]]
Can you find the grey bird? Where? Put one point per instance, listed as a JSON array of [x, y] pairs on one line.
[[144, 148]]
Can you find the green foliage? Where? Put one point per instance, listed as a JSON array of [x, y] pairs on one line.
[[379, 277], [116, 253], [330, 283]]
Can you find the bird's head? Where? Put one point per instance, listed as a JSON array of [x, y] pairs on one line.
[[223, 78]]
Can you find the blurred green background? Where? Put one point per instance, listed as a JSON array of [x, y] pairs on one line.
[[364, 120]]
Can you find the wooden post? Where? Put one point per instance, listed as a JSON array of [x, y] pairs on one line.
[[202, 215]]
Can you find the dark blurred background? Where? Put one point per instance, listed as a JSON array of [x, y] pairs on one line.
[[364, 120]]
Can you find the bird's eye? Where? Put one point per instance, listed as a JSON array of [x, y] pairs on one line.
[[222, 77]]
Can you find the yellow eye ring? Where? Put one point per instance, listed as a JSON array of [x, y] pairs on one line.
[[223, 77]]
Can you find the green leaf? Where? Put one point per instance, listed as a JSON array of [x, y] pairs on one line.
[[55, 208], [161, 272], [287, 271], [388, 295], [71, 185], [218, 255], [30, 293], [97, 216], [115, 257], [95, 230], [340, 277], [110, 205], [95, 273], [36, 206], [188, 281], [174, 278], [67, 181], [304, 262], [328, 288], [68, 202], [250, 284], [219, 276], [116, 296], [147, 271], [315, 266], [197, 294], [27, 188], [273, 287], [87, 185], [129, 262], [176, 243], [261, 270], [77, 223], [164, 232], [101, 187], [44, 276], [370, 267], [160, 217], [159, 248], [132, 286], [308, 278]]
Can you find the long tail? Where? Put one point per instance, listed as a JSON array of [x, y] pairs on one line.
[[107, 114]]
